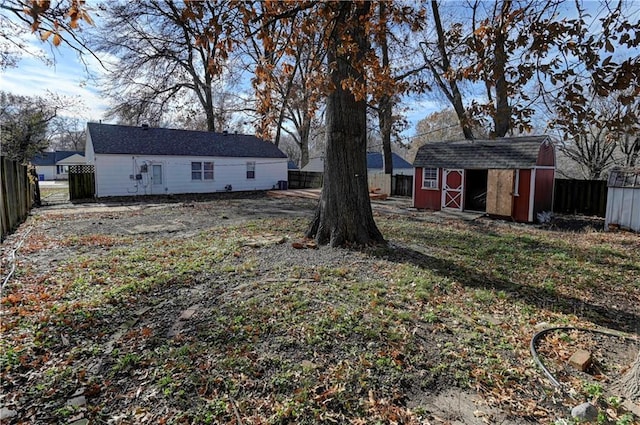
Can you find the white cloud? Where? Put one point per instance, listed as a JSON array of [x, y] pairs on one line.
[[68, 76]]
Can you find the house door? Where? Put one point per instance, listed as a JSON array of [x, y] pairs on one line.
[[156, 178], [452, 189]]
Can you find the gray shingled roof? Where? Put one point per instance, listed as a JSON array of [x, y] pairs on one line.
[[121, 139], [504, 153], [52, 158]]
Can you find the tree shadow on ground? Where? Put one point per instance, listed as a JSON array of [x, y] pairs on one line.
[[602, 315]]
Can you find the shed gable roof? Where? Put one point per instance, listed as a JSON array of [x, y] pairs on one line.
[[503, 153], [121, 139]]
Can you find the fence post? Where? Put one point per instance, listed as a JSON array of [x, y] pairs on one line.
[[16, 197]]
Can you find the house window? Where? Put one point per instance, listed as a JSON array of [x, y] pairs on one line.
[[208, 170], [251, 170], [62, 169], [429, 178], [201, 170], [196, 171]]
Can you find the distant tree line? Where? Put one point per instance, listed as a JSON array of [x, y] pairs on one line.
[[32, 124]]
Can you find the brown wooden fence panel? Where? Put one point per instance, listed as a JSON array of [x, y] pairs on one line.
[[402, 185], [588, 197], [17, 194], [304, 179], [82, 182]]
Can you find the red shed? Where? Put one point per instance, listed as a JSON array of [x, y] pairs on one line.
[[510, 177]]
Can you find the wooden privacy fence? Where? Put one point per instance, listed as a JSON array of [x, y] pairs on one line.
[[380, 183], [304, 179], [17, 197], [82, 182], [587, 197], [401, 185]]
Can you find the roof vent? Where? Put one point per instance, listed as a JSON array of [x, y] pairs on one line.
[[145, 126], [225, 132]]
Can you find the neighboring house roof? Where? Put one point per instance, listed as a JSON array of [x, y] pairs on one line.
[[52, 158], [121, 139], [375, 160], [315, 165], [76, 158], [504, 153]]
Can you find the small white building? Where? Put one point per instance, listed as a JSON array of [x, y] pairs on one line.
[[144, 160], [55, 165], [623, 200]]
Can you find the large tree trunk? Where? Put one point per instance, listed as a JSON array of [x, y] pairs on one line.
[[385, 111], [385, 119], [630, 383], [452, 92], [304, 132], [208, 106], [502, 118], [344, 214]]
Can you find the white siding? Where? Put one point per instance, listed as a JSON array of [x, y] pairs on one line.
[[48, 171], [623, 208], [89, 154], [113, 174]]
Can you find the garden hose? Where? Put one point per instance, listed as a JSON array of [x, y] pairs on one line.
[[538, 335], [13, 259]]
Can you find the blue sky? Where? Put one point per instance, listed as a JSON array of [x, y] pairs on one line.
[[67, 77]]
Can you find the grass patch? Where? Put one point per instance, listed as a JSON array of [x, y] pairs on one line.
[[277, 335]]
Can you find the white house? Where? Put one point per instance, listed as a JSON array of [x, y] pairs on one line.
[[55, 165], [151, 161]]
